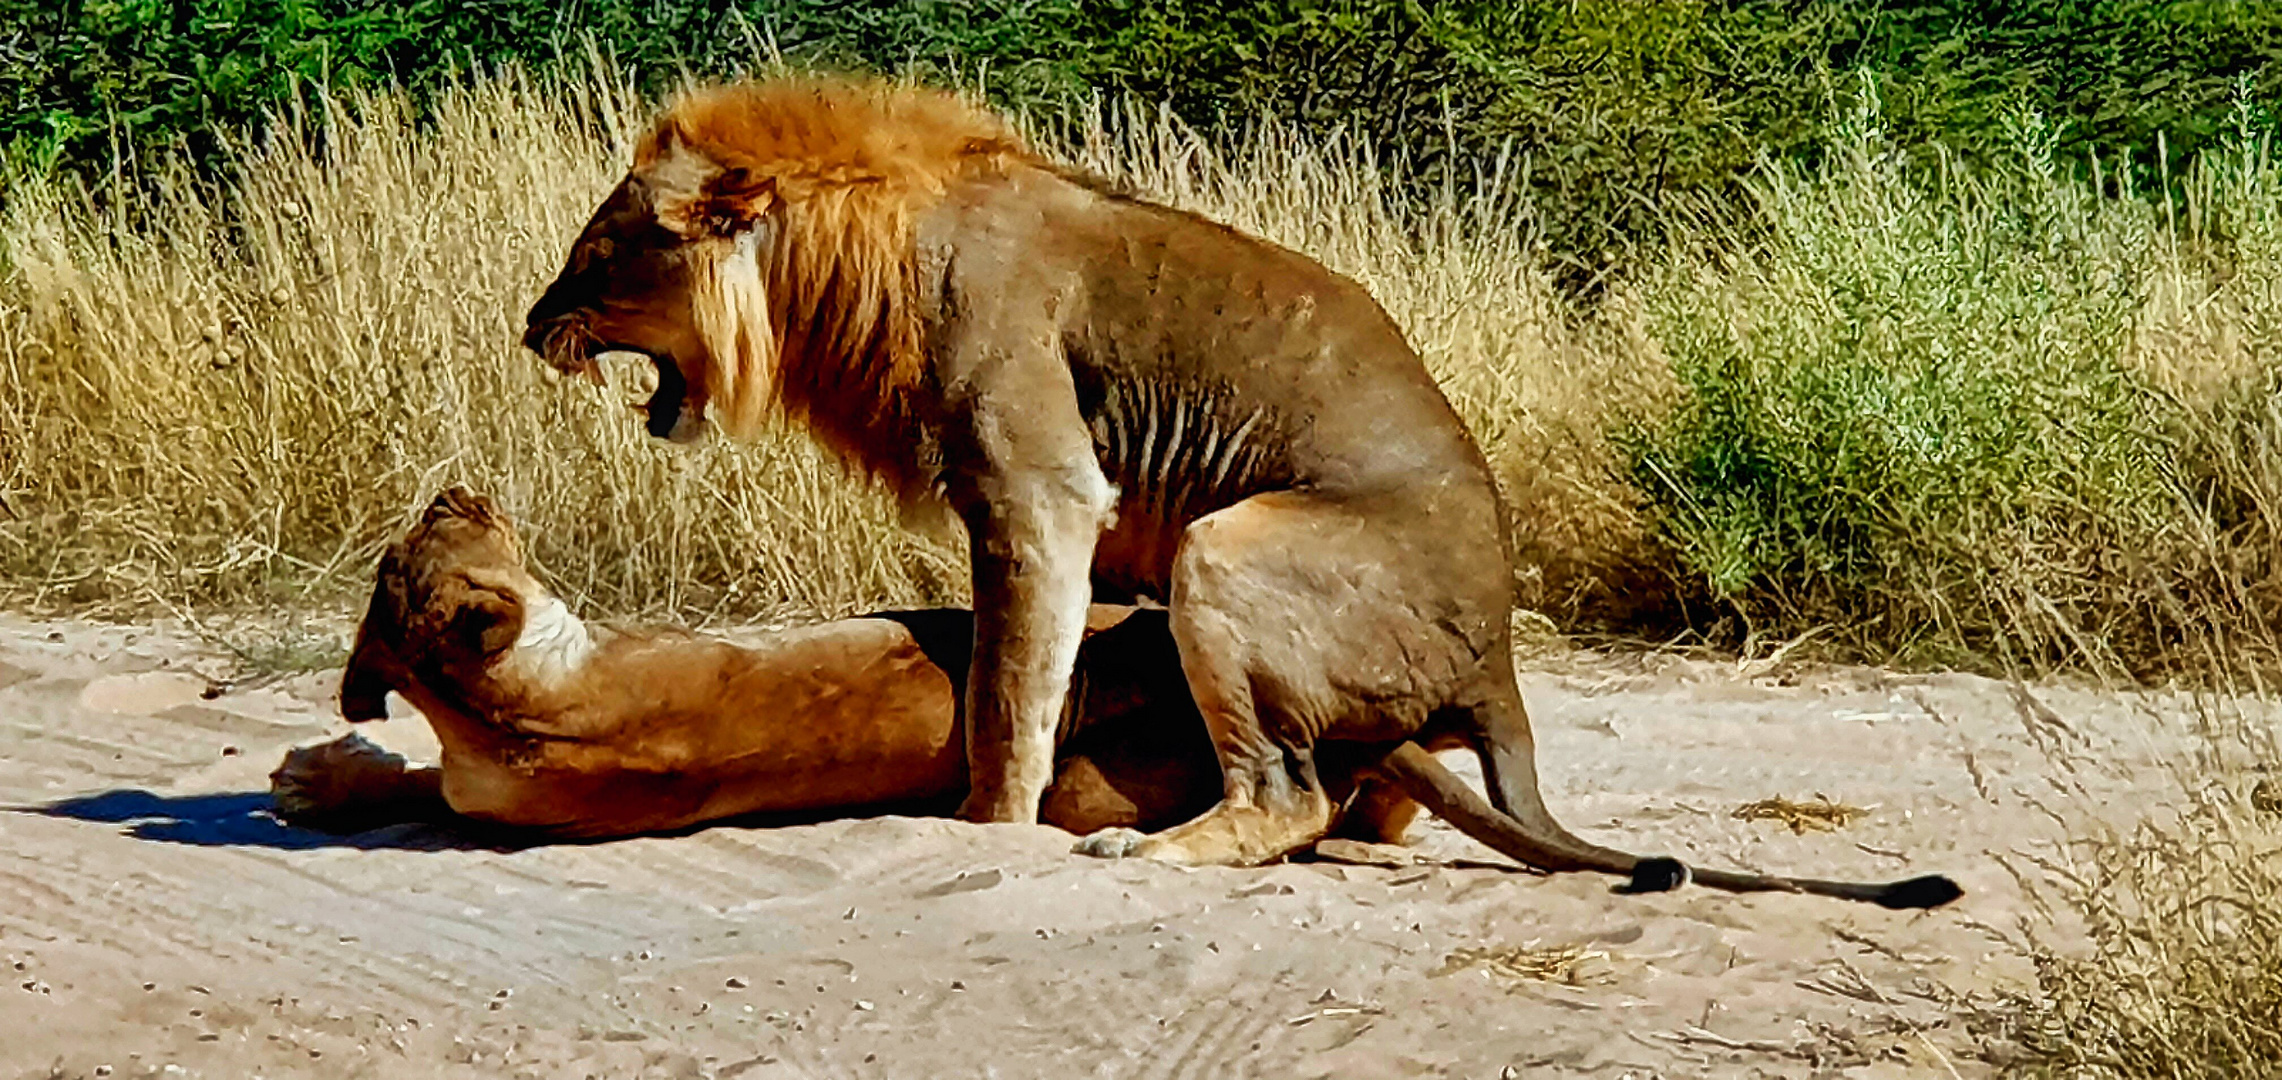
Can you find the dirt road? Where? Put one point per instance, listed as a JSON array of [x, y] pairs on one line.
[[155, 921]]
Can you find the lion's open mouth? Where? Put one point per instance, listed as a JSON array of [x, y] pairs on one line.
[[574, 349], [668, 412], [663, 410]]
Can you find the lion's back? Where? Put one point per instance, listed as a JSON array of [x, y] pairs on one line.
[[1210, 365]]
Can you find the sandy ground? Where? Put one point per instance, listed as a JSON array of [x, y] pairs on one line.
[[155, 921]]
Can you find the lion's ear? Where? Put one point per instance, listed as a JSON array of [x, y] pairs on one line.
[[731, 200], [692, 193]]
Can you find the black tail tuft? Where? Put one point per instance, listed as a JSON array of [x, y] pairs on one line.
[[1930, 891], [1658, 874]]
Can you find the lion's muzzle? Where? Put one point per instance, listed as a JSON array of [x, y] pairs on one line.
[[566, 344]]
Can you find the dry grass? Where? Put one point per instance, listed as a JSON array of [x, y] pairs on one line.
[[1513, 964], [2160, 953], [234, 394], [2007, 418]]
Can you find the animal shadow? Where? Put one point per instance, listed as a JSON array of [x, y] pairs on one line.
[[250, 819]]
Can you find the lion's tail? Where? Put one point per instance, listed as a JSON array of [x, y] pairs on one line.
[[1527, 831]]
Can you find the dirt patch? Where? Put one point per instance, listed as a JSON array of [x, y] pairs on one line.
[[153, 913]]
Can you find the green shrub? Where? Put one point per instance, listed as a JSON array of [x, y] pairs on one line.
[[83, 78], [2108, 74], [1907, 408], [1610, 110]]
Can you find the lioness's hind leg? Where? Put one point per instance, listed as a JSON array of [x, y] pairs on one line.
[[1379, 813]]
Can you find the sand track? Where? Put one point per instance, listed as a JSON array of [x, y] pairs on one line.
[[153, 916]]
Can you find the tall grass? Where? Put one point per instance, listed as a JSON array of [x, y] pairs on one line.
[[235, 393], [231, 394], [1997, 415]]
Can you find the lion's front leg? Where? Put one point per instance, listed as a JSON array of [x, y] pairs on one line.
[[1033, 558]]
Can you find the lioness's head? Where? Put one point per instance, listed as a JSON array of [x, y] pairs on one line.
[[760, 249], [449, 598]]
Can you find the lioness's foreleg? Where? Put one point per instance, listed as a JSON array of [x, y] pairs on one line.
[[351, 777]]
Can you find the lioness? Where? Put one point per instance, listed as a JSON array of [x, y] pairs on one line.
[[573, 729], [1120, 400]]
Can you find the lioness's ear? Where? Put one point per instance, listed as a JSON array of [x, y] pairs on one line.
[[475, 619], [460, 501]]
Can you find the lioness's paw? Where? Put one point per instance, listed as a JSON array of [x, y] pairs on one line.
[[1111, 843], [335, 777]]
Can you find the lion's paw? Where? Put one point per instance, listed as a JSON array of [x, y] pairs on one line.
[[1114, 843], [345, 775]]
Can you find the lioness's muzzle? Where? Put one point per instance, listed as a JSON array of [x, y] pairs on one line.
[[372, 671]]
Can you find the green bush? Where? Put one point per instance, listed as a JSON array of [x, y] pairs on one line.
[[2109, 74], [85, 77], [1909, 407], [1611, 111]]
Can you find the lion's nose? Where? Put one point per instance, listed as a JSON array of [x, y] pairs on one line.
[[551, 310]]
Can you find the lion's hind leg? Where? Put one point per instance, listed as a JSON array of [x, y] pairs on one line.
[[1289, 616], [1272, 802]]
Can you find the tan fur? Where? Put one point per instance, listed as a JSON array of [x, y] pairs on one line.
[[1119, 399], [652, 730]]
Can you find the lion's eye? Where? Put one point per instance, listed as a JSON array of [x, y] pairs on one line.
[[584, 256]]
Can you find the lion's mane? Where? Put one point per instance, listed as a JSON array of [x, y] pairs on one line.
[[809, 189]]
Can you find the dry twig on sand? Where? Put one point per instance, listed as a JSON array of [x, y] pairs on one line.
[[1532, 963], [1821, 814]]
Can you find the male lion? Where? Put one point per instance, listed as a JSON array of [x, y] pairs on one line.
[[1120, 400]]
